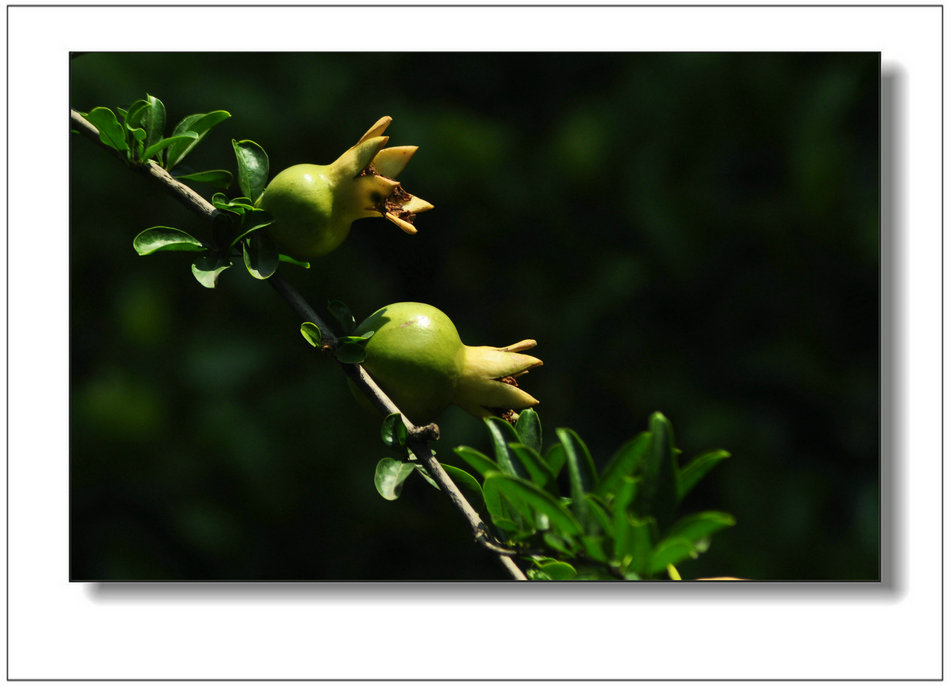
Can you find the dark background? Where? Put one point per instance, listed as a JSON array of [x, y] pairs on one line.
[[690, 233]]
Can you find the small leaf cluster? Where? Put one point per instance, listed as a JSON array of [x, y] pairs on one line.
[[349, 348], [138, 134], [572, 521]]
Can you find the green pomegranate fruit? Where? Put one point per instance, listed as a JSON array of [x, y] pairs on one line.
[[314, 205], [418, 359]]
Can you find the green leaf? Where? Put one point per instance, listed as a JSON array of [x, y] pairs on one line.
[[312, 334], [555, 542], [594, 547], [637, 550], [600, 516], [252, 219], [669, 552], [528, 427], [352, 349], [111, 132], [580, 471], [424, 473], [135, 115], [166, 239], [478, 461], [555, 457], [657, 494], [692, 473], [538, 470], [550, 569], [154, 121], [696, 527], [502, 433], [253, 166], [208, 266], [528, 498], [343, 315], [623, 464], [465, 482], [200, 124], [393, 430], [218, 178], [160, 145], [260, 256], [390, 476]]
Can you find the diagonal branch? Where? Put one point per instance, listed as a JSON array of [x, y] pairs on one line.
[[419, 436]]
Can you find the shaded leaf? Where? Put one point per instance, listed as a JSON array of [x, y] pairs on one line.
[[160, 145], [580, 471], [393, 431], [528, 427], [623, 464], [692, 473], [502, 433], [342, 314], [166, 239], [537, 468], [253, 166], [658, 493], [294, 261], [526, 498], [352, 349], [208, 266], [200, 124], [478, 461], [466, 482], [390, 476], [556, 457], [260, 256], [218, 178]]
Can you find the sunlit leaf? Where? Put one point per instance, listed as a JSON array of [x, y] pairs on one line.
[[111, 132], [312, 334], [253, 166], [390, 476], [166, 239]]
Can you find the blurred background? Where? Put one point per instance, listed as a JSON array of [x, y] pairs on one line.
[[696, 234]]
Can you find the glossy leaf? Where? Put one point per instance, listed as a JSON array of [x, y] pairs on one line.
[[252, 220], [166, 239], [160, 145], [502, 433], [260, 256], [525, 496], [253, 166], [478, 461], [312, 334], [200, 124], [111, 132], [207, 267], [154, 121], [393, 431], [218, 178], [623, 464], [692, 473], [342, 314], [528, 427], [390, 476], [135, 115]]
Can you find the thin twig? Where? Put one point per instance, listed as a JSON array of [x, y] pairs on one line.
[[419, 436]]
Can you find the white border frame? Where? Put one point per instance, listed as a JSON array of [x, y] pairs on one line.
[[58, 630]]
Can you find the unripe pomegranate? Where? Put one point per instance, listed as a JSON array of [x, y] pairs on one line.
[[315, 205], [418, 359]]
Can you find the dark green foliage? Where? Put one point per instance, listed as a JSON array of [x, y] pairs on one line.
[[601, 529]]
